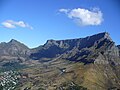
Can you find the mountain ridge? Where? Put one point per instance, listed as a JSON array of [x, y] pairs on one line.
[[14, 40], [59, 46]]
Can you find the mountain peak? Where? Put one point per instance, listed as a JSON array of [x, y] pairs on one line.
[[17, 43], [13, 41], [107, 35], [104, 35]]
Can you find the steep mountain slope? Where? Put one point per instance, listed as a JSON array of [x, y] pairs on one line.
[[74, 49], [13, 50]]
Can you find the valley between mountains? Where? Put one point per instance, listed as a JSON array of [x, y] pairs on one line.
[[90, 63]]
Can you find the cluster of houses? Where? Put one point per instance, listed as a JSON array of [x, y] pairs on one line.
[[10, 79]]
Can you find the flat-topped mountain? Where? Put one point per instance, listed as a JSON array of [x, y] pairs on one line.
[[75, 49]]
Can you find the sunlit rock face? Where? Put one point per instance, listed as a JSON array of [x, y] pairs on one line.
[[13, 50]]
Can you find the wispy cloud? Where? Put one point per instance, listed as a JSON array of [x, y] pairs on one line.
[[83, 16], [64, 10], [14, 24]]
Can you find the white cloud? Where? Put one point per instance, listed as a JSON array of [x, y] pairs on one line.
[[14, 24], [8, 25], [64, 10], [84, 17]]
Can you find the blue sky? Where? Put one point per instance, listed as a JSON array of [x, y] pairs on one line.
[[35, 21]]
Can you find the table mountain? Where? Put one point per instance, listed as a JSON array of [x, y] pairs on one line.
[[81, 49]]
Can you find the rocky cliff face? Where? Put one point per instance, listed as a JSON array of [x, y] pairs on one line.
[[83, 49]]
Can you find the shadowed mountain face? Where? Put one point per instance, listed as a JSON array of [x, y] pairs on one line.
[[77, 49], [91, 63]]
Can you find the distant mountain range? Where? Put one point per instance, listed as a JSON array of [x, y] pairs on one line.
[[71, 49], [92, 62]]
